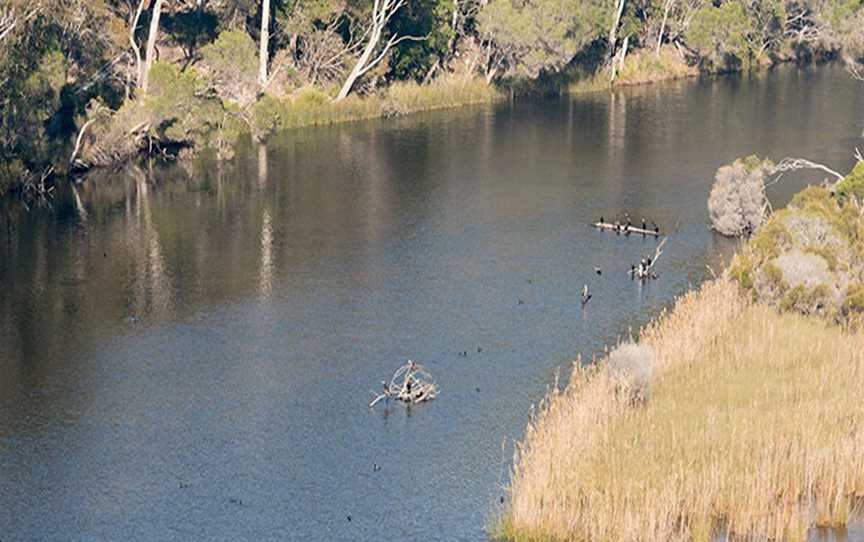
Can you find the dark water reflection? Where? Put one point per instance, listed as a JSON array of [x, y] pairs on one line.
[[188, 353]]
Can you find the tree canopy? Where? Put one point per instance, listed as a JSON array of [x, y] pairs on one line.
[[59, 57]]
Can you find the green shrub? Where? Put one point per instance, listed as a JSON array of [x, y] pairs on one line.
[[267, 116], [719, 35], [854, 302], [852, 184], [231, 62], [741, 269]]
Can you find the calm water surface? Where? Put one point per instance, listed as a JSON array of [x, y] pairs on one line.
[[187, 353]]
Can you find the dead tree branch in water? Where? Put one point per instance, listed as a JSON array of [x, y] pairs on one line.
[[794, 164], [411, 383], [645, 268]]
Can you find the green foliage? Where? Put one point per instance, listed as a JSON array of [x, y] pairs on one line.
[[741, 270], [232, 65], [12, 172], [720, 35], [647, 67], [854, 301], [176, 110], [429, 18], [539, 36], [852, 184], [205, 91], [266, 116], [803, 299]]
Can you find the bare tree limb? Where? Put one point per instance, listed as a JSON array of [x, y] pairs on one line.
[[382, 12], [794, 164], [79, 140]]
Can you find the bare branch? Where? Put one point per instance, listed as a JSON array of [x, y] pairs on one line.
[[794, 164], [79, 139], [390, 44]]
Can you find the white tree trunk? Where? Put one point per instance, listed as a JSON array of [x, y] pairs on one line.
[[666, 10], [151, 44], [264, 49], [613, 32], [357, 70], [382, 12], [134, 43]]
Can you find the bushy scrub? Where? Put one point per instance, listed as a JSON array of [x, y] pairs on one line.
[[806, 258], [632, 365], [737, 203], [231, 64], [852, 184], [178, 110]]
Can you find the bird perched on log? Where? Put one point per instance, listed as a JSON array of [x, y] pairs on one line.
[[585, 295]]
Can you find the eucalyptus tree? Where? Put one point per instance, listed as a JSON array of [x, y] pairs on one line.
[[152, 36], [535, 36], [264, 43], [375, 48]]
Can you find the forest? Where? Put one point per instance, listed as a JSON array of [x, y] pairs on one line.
[[94, 83]]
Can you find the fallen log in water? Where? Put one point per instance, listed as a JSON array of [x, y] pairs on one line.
[[410, 383], [624, 228]]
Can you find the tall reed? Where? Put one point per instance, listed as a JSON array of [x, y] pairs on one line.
[[754, 426]]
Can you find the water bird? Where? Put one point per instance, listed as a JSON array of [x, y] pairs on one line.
[[598, 270], [521, 302], [376, 467], [349, 518], [585, 295], [479, 349]]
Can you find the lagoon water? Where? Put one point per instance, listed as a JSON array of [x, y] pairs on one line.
[[188, 352]]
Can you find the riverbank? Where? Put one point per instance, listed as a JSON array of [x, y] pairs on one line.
[[177, 116], [640, 68], [753, 426], [313, 107]]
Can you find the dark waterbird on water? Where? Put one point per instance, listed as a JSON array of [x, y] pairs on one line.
[[598, 270]]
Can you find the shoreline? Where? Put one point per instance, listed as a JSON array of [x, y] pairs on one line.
[[595, 465], [736, 413], [311, 106]]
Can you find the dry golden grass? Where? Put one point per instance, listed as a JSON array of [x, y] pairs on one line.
[[755, 425]]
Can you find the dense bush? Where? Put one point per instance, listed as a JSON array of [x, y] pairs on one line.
[[807, 258], [231, 63], [737, 203], [719, 35], [852, 184], [632, 365]]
